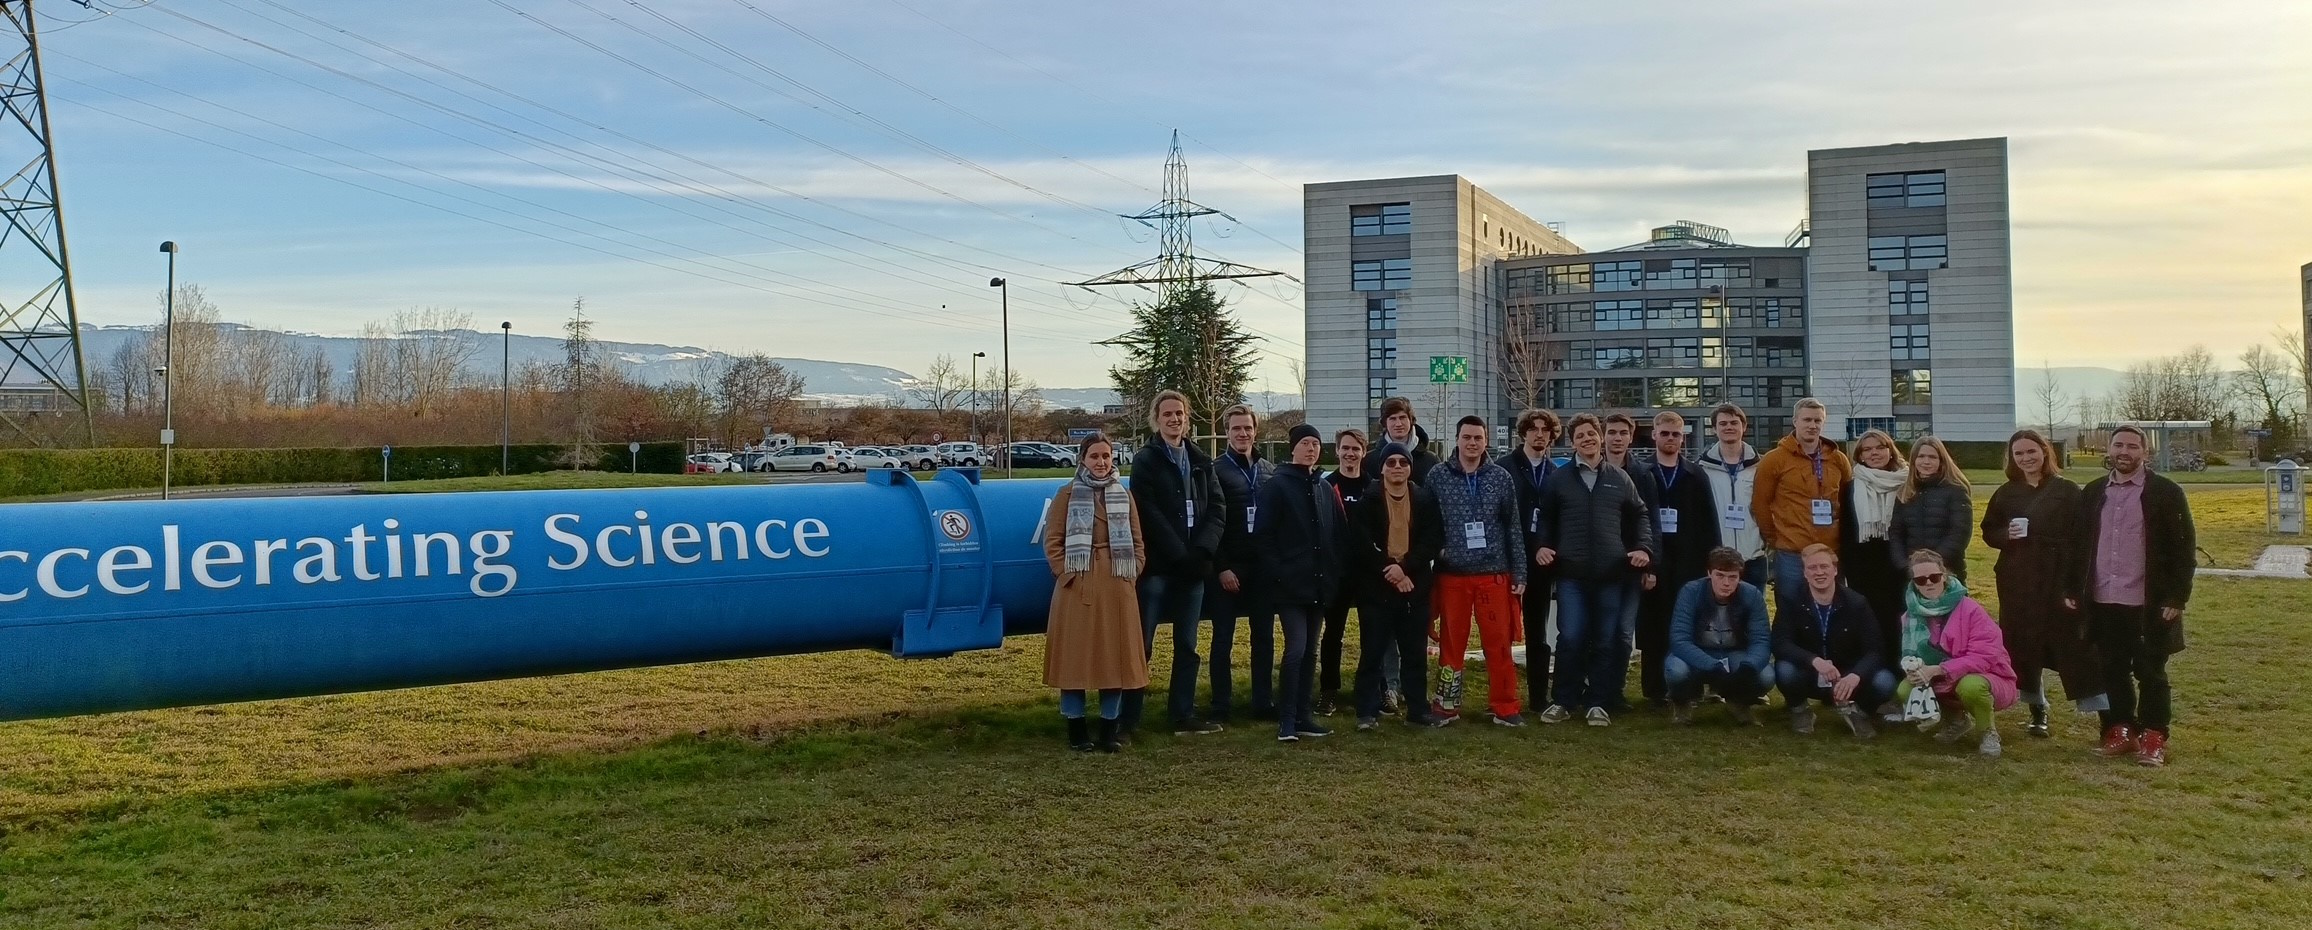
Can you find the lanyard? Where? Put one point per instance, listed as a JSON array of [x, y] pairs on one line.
[[1816, 458], [1251, 474], [1822, 614], [1469, 482], [1669, 475]]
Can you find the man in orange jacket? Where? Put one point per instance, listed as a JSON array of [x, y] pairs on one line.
[[1797, 497]]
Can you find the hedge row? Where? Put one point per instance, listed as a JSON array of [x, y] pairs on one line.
[[59, 471]]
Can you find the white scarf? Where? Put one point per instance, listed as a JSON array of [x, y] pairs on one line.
[[1874, 501], [1076, 555]]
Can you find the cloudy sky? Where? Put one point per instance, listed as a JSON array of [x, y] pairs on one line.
[[839, 180]]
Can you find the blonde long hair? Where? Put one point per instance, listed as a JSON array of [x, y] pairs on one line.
[[1895, 451], [1949, 474]]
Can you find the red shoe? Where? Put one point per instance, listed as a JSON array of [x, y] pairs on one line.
[[2117, 741], [2151, 749]]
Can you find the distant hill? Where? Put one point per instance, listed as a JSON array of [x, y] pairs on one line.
[[853, 383]]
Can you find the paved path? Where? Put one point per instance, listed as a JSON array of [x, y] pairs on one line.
[[2274, 562]]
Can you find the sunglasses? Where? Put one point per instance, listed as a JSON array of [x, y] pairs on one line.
[[1925, 580]]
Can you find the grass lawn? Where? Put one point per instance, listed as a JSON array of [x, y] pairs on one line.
[[852, 790]]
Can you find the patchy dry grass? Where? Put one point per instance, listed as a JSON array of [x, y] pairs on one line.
[[856, 791]]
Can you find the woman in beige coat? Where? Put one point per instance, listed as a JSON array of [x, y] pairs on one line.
[[1092, 640]]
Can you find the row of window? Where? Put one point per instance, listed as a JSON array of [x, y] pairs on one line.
[[1657, 274], [1909, 253], [1379, 387], [1688, 352], [1769, 393], [1662, 313], [1381, 219], [1906, 298], [1905, 189], [1381, 352], [1387, 274]]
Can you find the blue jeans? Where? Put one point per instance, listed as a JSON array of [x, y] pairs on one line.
[[1789, 573], [1799, 685], [1072, 704], [1590, 656], [1293, 693], [1222, 608], [1174, 601], [1625, 641], [1739, 684]]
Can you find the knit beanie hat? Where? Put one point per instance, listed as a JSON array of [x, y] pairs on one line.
[[1392, 449], [1305, 431]]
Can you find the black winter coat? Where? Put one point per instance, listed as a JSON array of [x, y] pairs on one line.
[[1241, 487], [1529, 484], [1176, 549], [1685, 555], [1856, 645], [1593, 530], [1371, 518], [1941, 517], [2170, 547], [1301, 538]]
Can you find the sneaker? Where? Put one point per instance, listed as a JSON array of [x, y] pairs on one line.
[[2037, 728], [1955, 728], [2151, 749], [1555, 713], [1195, 727], [1681, 712], [1368, 724], [1509, 721], [1326, 706], [2118, 741], [1443, 713], [1802, 719], [1599, 718], [1287, 738], [1858, 721], [1311, 728], [1990, 745], [1431, 721], [1392, 703]]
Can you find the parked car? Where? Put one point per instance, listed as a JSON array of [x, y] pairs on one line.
[[802, 458], [867, 457], [962, 455], [708, 463], [1033, 455], [921, 458], [1066, 454], [750, 461]]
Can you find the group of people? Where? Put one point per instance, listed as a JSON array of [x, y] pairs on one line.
[[1649, 552]]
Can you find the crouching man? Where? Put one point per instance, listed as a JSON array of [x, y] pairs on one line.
[[1827, 648], [1719, 637]]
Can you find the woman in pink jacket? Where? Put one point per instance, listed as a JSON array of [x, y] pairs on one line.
[[1951, 644]]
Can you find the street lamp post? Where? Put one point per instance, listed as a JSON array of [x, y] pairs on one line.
[[1005, 286], [506, 399], [975, 357], [168, 364]]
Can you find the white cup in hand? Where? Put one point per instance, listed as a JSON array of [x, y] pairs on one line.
[[2019, 528]]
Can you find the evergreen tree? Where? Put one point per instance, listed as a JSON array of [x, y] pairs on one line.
[[1190, 343]]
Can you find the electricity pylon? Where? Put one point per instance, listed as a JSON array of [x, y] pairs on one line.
[[39, 320]]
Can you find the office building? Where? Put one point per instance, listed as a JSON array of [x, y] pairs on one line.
[[1400, 271], [1910, 289], [1683, 321], [1891, 302]]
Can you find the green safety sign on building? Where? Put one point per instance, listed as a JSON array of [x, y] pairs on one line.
[[1448, 369]]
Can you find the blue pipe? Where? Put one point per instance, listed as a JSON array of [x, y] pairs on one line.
[[134, 605]]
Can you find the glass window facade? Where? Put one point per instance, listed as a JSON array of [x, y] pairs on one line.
[[1909, 253], [1908, 189], [1620, 315], [1381, 219], [1379, 387], [1381, 352], [1388, 274], [1908, 341], [1381, 313], [1906, 298], [1914, 387]]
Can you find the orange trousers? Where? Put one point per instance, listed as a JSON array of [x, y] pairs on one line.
[[1488, 597]]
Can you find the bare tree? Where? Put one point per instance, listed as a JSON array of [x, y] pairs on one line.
[[1524, 370], [2049, 397], [2266, 382], [753, 391], [941, 388]]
